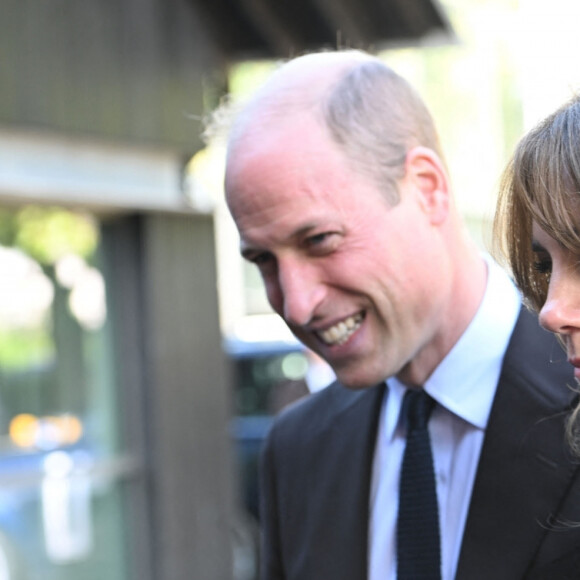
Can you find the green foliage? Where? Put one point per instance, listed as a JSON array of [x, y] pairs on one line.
[[246, 77], [48, 233], [7, 227], [25, 348], [45, 234]]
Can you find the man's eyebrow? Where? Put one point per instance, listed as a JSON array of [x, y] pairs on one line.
[[246, 249], [305, 229]]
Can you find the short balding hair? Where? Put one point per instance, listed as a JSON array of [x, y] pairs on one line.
[[373, 114]]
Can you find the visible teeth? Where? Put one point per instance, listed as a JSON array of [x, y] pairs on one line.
[[340, 333]]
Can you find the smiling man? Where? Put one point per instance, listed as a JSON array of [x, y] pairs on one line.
[[337, 184]]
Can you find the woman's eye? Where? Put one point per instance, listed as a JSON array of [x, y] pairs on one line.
[[543, 266]]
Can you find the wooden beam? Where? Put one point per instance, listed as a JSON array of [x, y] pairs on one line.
[[275, 32], [347, 19]]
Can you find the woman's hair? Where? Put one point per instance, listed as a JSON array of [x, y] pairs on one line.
[[542, 184]]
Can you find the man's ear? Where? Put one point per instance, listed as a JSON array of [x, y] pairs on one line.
[[425, 170]]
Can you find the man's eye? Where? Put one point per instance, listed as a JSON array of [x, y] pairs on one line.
[[318, 238], [261, 259], [324, 242]]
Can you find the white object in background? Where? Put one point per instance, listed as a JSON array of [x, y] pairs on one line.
[[66, 507]]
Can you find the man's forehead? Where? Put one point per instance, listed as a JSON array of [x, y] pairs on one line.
[[269, 119], [275, 144]]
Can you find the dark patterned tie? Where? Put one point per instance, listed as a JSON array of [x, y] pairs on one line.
[[418, 542]]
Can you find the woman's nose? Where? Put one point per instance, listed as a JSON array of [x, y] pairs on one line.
[[561, 311]]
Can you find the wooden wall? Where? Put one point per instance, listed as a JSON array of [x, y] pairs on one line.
[[130, 70]]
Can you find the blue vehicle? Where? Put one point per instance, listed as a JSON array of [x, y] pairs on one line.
[[268, 375]]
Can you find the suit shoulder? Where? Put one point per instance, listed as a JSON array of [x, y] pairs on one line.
[[316, 405], [323, 410]]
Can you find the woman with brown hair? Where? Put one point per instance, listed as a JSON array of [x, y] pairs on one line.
[[537, 227]]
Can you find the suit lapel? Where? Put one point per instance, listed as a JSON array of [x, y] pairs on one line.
[[524, 469], [343, 500]]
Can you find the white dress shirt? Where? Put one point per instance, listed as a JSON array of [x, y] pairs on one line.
[[464, 386]]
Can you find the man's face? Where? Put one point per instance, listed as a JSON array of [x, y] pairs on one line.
[[357, 281]]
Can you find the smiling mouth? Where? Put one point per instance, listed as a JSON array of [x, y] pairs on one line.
[[341, 332]]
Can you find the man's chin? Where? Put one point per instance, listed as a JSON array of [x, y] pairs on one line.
[[356, 383]]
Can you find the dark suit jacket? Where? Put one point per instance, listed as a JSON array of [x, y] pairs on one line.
[[317, 465]]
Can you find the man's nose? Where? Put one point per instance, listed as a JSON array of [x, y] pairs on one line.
[[561, 311], [302, 291]]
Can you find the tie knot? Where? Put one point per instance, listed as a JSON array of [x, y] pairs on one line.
[[417, 407]]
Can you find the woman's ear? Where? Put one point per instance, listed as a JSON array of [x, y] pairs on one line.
[[426, 172]]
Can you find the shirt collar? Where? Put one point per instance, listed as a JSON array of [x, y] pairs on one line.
[[466, 379]]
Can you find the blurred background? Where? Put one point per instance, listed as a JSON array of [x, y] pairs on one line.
[[140, 366]]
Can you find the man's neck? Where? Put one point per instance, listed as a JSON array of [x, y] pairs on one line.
[[463, 303]]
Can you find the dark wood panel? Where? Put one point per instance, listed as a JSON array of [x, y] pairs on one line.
[[126, 70], [190, 399], [285, 28]]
